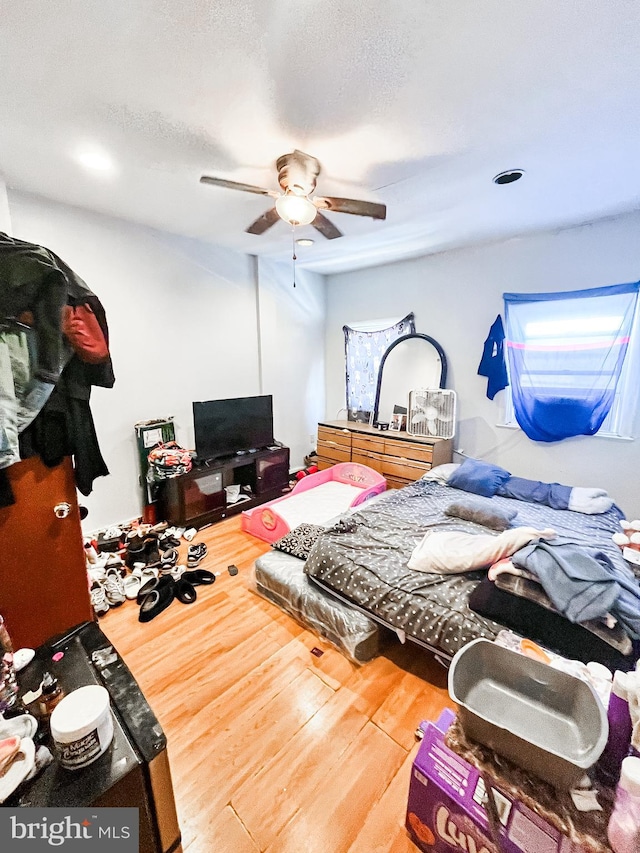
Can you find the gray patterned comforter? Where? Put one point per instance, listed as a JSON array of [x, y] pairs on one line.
[[368, 566]]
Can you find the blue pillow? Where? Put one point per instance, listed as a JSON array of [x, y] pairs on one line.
[[480, 478]]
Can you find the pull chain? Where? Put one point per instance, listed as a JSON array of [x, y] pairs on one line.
[[293, 248]]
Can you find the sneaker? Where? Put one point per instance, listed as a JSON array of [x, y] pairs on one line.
[[114, 588], [98, 598], [114, 561], [168, 540], [174, 571], [97, 574], [196, 554], [169, 558], [189, 534]]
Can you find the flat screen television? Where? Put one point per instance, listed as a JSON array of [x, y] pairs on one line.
[[225, 427]]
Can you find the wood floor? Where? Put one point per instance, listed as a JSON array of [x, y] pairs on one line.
[[272, 748]]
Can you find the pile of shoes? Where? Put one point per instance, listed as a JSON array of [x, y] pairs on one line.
[[144, 566], [106, 585], [158, 593]]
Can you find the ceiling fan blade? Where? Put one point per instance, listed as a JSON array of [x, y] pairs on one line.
[[352, 205], [326, 228], [262, 223], [235, 185]]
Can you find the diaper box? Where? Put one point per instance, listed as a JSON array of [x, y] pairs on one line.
[[446, 812]]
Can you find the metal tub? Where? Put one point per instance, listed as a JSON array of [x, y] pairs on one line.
[[542, 719]]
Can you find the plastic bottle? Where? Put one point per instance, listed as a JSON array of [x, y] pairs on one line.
[[619, 740], [624, 825], [8, 683], [601, 679], [51, 695]]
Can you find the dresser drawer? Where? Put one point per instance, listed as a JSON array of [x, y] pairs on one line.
[[364, 457], [410, 450], [334, 452], [395, 483], [323, 464], [331, 435], [370, 443], [403, 469]]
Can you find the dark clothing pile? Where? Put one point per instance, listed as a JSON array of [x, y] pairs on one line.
[[50, 323]]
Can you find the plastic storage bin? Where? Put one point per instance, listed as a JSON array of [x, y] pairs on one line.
[[542, 719]]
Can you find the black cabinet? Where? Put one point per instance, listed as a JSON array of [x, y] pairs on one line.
[[199, 497]]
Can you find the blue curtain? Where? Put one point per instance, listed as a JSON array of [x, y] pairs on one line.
[[565, 352], [363, 352]]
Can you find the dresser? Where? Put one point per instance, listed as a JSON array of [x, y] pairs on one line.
[[399, 457]]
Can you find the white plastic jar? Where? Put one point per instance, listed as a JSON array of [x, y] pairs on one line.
[[82, 726]]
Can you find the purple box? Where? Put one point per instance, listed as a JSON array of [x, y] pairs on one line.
[[445, 811]]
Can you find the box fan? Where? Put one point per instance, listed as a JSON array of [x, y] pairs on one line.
[[432, 413]]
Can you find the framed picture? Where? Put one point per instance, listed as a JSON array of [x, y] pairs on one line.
[[398, 422]]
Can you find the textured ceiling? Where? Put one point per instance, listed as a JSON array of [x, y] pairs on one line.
[[414, 103]]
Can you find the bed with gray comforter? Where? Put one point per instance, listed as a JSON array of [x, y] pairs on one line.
[[364, 561]]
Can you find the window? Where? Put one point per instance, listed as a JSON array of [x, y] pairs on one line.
[[365, 344], [571, 358]]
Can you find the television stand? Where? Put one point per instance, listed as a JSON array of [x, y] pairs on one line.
[[199, 498]]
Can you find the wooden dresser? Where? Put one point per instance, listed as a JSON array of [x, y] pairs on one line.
[[399, 457]]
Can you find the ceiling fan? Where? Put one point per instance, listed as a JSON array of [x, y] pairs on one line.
[[297, 173]]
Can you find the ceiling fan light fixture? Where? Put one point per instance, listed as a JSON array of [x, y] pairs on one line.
[[296, 209], [304, 241]]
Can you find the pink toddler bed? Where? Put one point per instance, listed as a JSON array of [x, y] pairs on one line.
[[314, 500]]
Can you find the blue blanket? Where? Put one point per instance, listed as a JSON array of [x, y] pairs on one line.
[[551, 494], [583, 583]]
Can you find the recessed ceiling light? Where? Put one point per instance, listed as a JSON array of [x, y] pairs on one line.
[[509, 176], [304, 241], [94, 158]]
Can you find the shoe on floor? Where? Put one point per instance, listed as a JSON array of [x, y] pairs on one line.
[[136, 553], [158, 599], [196, 554], [174, 571], [185, 592], [114, 588], [199, 576], [169, 558], [167, 540], [151, 552], [98, 598], [152, 585], [132, 584]]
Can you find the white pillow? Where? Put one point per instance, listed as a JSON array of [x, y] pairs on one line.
[[441, 473]]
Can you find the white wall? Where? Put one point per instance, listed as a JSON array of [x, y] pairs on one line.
[[183, 319], [456, 296], [5, 216], [292, 323]]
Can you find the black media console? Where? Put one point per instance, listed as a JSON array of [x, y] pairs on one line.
[[199, 497]]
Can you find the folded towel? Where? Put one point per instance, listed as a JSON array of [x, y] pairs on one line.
[[589, 501]]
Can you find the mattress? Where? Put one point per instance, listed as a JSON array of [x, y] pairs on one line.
[[281, 578], [318, 505], [365, 562]]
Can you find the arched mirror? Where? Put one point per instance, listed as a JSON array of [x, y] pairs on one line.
[[410, 362]]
